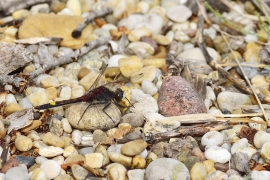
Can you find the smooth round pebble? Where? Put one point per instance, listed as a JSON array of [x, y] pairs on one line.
[[240, 144], [116, 171], [50, 151], [260, 138], [136, 174], [212, 138], [134, 119], [121, 159], [94, 160], [77, 136], [18, 172], [133, 148], [149, 88], [166, 168], [23, 143], [178, 13], [217, 154], [51, 168], [78, 171], [38, 174]]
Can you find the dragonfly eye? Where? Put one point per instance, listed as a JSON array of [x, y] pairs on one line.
[[119, 94]]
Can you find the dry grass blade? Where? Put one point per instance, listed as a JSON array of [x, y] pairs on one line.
[[246, 78], [241, 84]]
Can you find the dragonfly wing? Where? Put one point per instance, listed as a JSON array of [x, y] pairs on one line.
[[94, 85]]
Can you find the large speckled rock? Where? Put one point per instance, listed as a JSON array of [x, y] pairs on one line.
[[177, 97], [50, 25]]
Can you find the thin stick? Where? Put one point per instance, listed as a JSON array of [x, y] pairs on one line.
[[246, 78], [76, 33]]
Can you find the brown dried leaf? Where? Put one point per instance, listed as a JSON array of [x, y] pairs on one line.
[[259, 167], [248, 133]]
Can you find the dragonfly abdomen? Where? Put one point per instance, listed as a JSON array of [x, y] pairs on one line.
[[59, 103]]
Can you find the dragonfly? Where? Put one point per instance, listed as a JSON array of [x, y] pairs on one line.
[[94, 96]]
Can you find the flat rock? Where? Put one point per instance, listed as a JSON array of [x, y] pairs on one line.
[[177, 97], [166, 168], [50, 25]]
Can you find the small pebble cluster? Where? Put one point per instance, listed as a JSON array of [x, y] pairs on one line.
[[82, 145]]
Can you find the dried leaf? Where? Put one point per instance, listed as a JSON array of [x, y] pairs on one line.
[[248, 133], [259, 167], [20, 119]]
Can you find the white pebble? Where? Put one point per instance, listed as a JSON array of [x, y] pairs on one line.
[[17, 172], [240, 144], [149, 88], [66, 126], [40, 159], [10, 98], [113, 61], [77, 137], [212, 138], [25, 103], [114, 45], [51, 168], [251, 38], [260, 138], [65, 92], [217, 154], [260, 175]]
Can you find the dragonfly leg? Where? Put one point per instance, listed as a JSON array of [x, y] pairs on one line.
[[87, 108], [105, 107]]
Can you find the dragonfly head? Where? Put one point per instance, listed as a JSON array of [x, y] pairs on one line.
[[119, 95]]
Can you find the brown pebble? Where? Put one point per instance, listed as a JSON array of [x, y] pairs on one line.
[[177, 97], [9, 164], [83, 72], [150, 41]]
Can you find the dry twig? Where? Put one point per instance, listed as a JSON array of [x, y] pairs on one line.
[[76, 33]]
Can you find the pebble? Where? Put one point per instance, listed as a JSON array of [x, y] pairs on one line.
[[69, 151], [143, 103], [231, 100], [38, 174], [166, 168], [198, 171], [162, 40], [138, 162], [149, 88], [146, 73], [27, 160], [94, 160], [150, 41], [13, 107], [136, 34], [78, 171], [77, 137], [178, 13], [252, 52], [217, 154], [99, 136], [66, 126], [130, 65], [39, 97], [74, 6], [259, 175], [51, 168], [13, 162], [134, 119], [177, 97], [113, 61], [240, 144], [116, 171], [2, 130], [136, 174], [50, 151], [140, 49], [23, 143], [217, 175], [121, 159], [212, 138], [49, 81], [133, 148], [53, 140], [17, 173]]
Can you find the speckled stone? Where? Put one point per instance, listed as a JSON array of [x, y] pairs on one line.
[[177, 97]]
